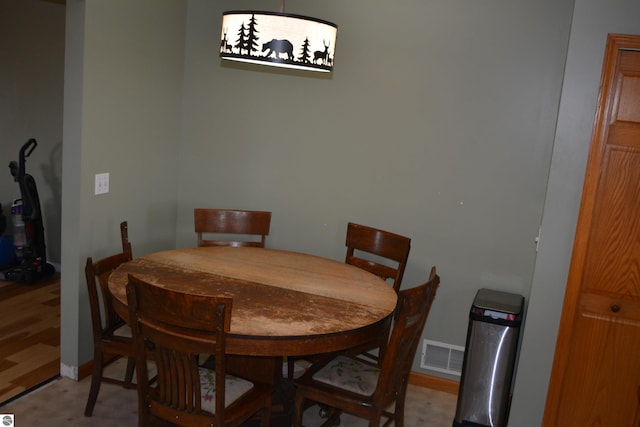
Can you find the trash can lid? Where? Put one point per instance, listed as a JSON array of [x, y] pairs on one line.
[[505, 302]]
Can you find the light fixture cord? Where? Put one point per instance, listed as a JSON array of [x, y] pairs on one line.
[[282, 6]]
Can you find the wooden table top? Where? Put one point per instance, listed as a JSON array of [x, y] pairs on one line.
[[284, 303]]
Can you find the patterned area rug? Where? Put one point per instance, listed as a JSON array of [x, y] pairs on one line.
[[61, 404]]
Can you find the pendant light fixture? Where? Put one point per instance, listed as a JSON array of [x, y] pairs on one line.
[[278, 39]]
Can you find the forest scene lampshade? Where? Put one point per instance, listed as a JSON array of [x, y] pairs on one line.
[[278, 40]]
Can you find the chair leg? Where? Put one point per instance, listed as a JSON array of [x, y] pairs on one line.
[[297, 409], [266, 416], [96, 379], [290, 366], [131, 364], [398, 412], [375, 419], [398, 417]]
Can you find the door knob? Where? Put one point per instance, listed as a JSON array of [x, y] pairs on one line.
[[615, 308]]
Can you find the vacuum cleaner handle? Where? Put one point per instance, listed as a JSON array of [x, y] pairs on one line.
[[17, 171], [25, 152], [30, 145]]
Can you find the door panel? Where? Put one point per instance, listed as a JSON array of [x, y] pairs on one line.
[[596, 371], [611, 263], [596, 376]]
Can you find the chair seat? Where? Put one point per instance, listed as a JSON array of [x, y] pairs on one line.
[[349, 374], [234, 388], [123, 331]]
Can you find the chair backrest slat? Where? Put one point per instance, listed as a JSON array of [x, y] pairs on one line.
[[124, 237]]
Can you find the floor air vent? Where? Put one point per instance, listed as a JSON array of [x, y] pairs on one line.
[[442, 357]]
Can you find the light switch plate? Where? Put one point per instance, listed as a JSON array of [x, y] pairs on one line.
[[102, 183]]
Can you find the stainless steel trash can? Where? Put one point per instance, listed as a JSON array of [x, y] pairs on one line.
[[489, 359]]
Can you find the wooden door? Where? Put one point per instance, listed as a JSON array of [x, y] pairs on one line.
[[595, 379]]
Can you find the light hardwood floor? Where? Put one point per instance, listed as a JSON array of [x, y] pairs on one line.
[[29, 335]]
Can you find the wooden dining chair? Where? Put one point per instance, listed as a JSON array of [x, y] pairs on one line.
[[390, 252], [225, 223], [177, 328], [111, 335], [384, 254], [348, 384], [379, 252]]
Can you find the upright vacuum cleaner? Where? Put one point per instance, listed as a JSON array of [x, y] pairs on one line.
[[7, 256], [28, 227]]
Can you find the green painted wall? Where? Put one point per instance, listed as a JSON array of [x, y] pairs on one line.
[[123, 100]]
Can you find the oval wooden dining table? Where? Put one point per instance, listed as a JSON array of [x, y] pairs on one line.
[[284, 303]]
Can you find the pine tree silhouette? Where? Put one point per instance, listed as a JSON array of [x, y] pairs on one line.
[[252, 36], [241, 41], [305, 55]]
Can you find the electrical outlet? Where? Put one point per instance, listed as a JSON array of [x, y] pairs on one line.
[[102, 183]]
